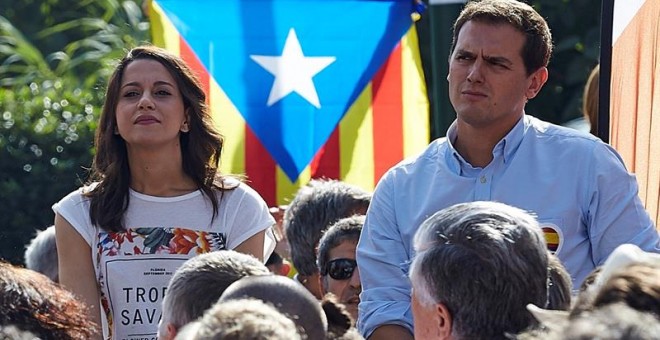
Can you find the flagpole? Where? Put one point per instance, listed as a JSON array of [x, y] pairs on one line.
[[607, 18], [442, 14]]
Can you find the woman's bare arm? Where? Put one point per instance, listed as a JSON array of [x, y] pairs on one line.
[[76, 270]]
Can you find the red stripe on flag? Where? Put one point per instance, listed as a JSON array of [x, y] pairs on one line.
[[326, 162], [260, 168], [193, 62], [387, 114]]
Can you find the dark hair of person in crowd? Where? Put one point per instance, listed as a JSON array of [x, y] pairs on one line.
[[560, 285], [246, 319], [312, 211], [201, 145], [199, 283], [31, 302], [538, 45], [289, 297], [41, 253], [638, 286]]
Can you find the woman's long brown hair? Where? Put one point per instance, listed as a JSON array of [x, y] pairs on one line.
[[200, 146]]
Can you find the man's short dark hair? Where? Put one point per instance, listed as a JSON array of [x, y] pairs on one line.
[[538, 41], [485, 261], [315, 207], [346, 229]]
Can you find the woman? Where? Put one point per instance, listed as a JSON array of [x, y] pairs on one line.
[[158, 199]]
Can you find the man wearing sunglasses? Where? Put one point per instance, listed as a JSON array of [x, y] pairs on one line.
[[336, 261]]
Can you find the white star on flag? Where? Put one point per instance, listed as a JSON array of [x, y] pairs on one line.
[[293, 71]]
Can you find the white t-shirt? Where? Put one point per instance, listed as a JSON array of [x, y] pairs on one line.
[[134, 266]]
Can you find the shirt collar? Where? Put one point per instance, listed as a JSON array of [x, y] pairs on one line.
[[506, 147]]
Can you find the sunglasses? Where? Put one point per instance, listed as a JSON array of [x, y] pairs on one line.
[[340, 269]]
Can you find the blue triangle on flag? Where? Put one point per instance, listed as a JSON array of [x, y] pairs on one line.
[[291, 67]]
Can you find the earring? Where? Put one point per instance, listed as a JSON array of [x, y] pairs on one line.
[[116, 131], [184, 127]]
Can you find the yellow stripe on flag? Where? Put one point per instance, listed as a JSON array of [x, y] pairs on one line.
[[163, 32], [286, 190], [416, 132], [356, 147], [231, 124]]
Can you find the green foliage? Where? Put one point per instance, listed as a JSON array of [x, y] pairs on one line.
[[575, 27], [46, 133], [55, 57]]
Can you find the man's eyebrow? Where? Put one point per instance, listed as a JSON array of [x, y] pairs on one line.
[[498, 60], [463, 52]]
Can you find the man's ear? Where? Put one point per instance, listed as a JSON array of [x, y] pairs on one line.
[[444, 321], [171, 332], [322, 285], [536, 82]]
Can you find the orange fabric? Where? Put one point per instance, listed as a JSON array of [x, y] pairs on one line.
[[635, 102]]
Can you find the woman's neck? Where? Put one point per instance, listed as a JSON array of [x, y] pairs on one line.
[[158, 173]]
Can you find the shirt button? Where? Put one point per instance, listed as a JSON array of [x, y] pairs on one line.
[[483, 179]]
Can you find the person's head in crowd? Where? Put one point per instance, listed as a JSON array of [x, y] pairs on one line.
[[561, 285], [9, 332], [338, 269], [638, 286], [340, 322], [612, 322], [290, 299], [41, 254], [477, 266], [32, 302], [246, 319], [629, 275], [590, 100], [314, 208], [277, 265], [198, 284]]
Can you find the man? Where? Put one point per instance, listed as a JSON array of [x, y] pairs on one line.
[[477, 266], [336, 262], [315, 207], [199, 283], [288, 297], [241, 319], [578, 187]]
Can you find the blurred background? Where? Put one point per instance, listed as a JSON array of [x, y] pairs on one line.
[[56, 56]]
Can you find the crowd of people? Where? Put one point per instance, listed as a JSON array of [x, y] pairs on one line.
[[510, 227]]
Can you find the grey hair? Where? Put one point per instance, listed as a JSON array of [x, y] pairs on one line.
[[485, 261], [315, 207], [289, 297], [201, 280], [346, 229], [244, 319], [41, 254]]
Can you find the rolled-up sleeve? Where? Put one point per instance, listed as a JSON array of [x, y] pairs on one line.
[[383, 262], [616, 213]]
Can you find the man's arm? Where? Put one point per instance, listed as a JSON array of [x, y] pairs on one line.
[[383, 262], [391, 332], [616, 214]]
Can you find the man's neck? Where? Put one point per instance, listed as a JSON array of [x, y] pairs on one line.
[[476, 144]]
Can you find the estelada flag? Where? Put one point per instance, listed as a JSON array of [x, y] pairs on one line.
[[304, 89], [635, 94]]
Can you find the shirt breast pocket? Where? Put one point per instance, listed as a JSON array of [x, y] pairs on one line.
[[554, 235]]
